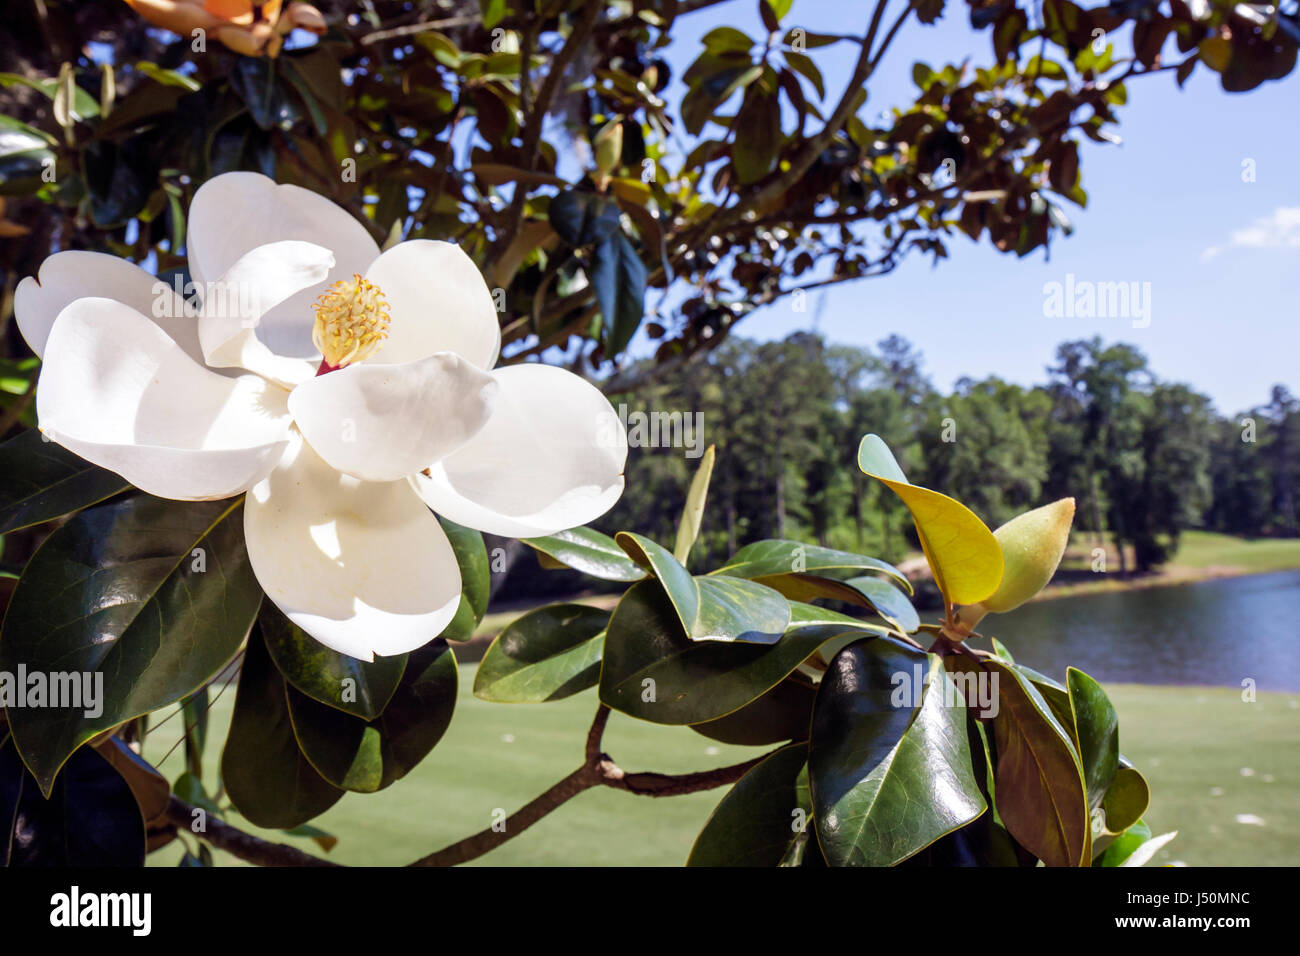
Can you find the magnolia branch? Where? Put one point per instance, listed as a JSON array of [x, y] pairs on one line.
[[476, 20], [777, 186], [597, 770], [237, 843], [534, 118]]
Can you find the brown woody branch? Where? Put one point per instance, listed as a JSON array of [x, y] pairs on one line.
[[597, 770], [776, 187], [239, 844], [469, 20], [536, 117]]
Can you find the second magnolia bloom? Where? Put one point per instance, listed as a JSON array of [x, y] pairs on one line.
[[342, 467]]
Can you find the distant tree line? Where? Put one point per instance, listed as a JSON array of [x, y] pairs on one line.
[[1145, 459]]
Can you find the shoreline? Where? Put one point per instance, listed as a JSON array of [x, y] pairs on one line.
[[1076, 581], [1153, 579]]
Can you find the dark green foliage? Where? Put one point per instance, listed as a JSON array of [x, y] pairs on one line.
[[1144, 459]]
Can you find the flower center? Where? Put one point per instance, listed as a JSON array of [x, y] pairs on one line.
[[351, 322]]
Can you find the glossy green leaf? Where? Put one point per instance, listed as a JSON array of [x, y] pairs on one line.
[[366, 756], [119, 178], [775, 556], [653, 672], [1126, 799], [688, 528], [190, 788], [25, 154], [204, 859], [91, 818], [726, 39], [985, 842], [41, 480], [354, 687], [587, 551], [1096, 731], [982, 843], [618, 278], [813, 587], [659, 561], [783, 713], [475, 580], [493, 11], [804, 64], [171, 77], [194, 711], [712, 608], [583, 218], [735, 609], [255, 80], [84, 106], [757, 140], [890, 770], [1119, 849], [547, 654], [1040, 788], [761, 817], [155, 595], [266, 776], [887, 601], [323, 839], [1001, 651], [1057, 697]]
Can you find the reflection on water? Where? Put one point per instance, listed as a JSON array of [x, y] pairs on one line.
[[1216, 632]]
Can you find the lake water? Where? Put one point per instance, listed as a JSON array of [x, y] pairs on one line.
[[1215, 633]]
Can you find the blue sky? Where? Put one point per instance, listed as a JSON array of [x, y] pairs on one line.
[[1168, 206]]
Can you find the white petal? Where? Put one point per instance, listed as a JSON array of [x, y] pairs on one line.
[[234, 212], [115, 389], [66, 276], [384, 422], [438, 302], [363, 567], [551, 457], [236, 303]]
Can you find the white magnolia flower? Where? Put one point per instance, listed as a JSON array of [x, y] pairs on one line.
[[342, 468]]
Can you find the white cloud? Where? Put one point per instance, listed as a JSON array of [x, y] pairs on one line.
[[1281, 230]]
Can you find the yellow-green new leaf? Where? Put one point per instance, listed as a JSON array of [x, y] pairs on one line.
[[688, 529], [1032, 546], [963, 554]]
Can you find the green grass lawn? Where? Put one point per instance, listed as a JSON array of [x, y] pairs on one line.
[[1209, 757], [1203, 549]]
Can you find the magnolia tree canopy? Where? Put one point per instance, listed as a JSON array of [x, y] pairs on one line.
[[549, 140]]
